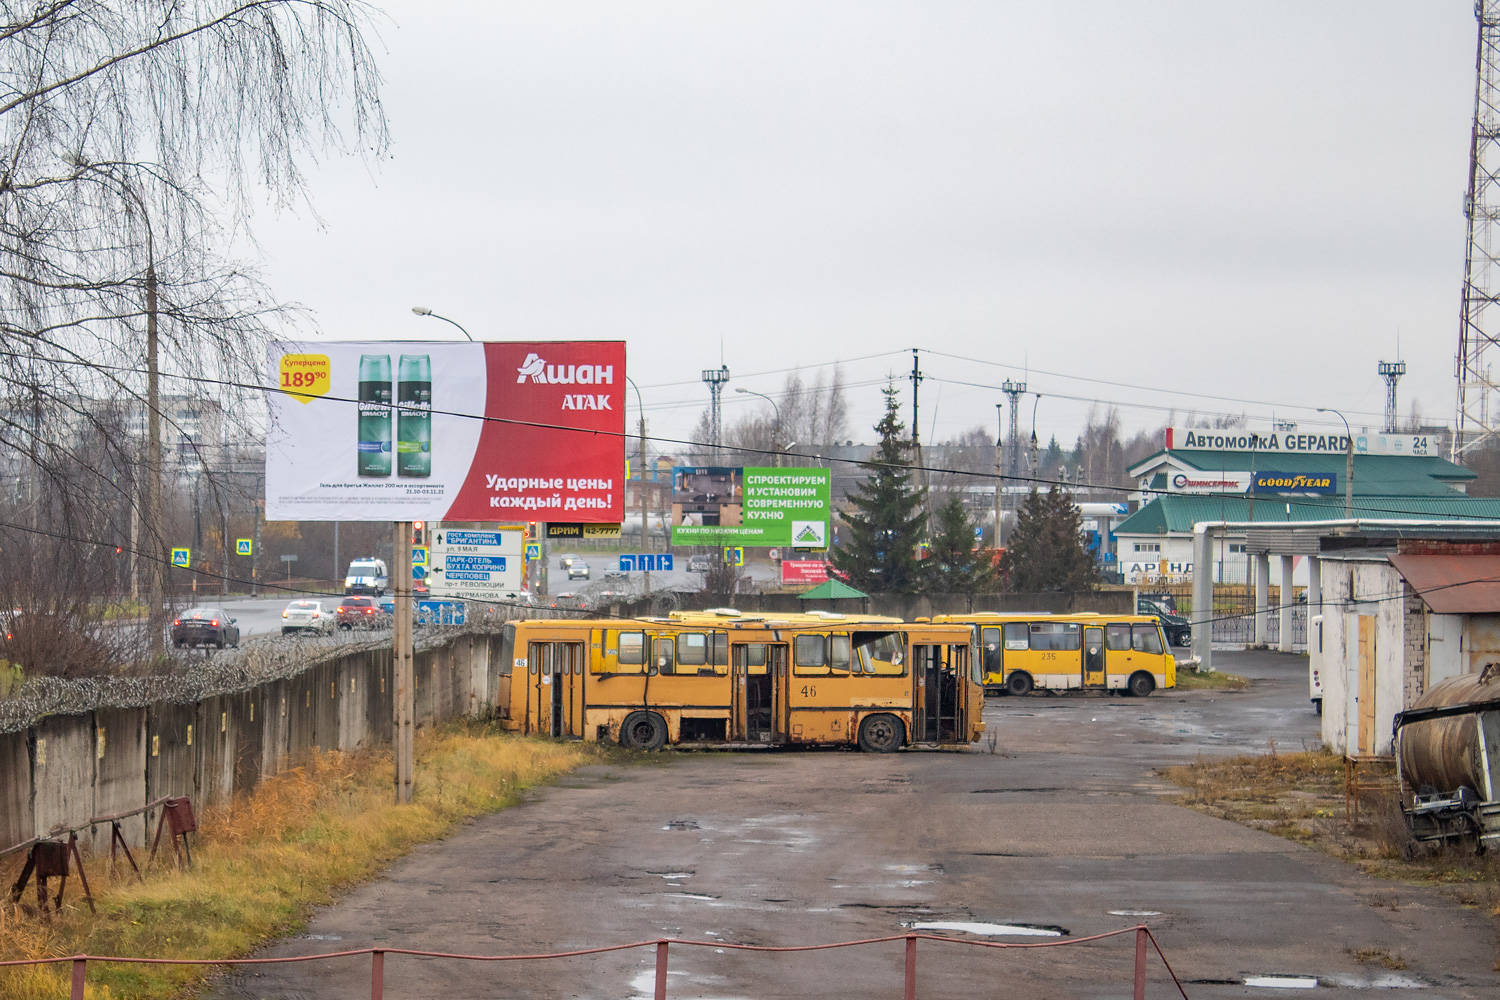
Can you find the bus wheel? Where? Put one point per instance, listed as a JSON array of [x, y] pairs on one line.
[[1141, 684], [643, 731], [1018, 683], [880, 734]]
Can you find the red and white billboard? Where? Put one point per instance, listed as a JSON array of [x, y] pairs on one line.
[[799, 572], [405, 431]]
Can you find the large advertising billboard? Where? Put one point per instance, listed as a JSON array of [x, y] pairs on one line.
[[403, 431], [720, 505]]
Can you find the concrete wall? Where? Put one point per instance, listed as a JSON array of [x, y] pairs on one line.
[[67, 769]]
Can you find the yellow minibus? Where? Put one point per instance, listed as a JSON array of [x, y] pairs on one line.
[[1079, 652]]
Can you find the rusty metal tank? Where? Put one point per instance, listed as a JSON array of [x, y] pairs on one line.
[[1446, 753]]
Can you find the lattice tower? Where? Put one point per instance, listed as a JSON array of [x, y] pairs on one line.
[[716, 377], [1391, 371], [1479, 319]]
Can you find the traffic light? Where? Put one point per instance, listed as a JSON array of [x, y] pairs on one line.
[[416, 533]]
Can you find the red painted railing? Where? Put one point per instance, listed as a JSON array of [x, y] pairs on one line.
[[1142, 934]]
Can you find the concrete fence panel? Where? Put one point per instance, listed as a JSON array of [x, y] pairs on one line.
[[62, 772], [16, 823], [119, 771]]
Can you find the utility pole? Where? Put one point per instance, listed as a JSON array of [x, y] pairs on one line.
[[404, 707], [999, 473], [156, 561]]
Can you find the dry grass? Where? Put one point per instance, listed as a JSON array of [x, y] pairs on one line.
[[1380, 957], [265, 861], [1300, 796], [1191, 680]]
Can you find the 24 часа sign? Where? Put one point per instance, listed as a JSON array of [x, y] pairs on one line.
[[407, 431], [1293, 482]]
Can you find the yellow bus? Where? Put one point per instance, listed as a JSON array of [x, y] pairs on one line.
[[1081, 652], [743, 681]]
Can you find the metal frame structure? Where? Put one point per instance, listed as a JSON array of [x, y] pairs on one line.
[[1391, 371], [716, 377], [1479, 314]]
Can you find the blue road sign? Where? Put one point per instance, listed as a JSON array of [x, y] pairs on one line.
[[182, 558], [646, 562], [243, 546]]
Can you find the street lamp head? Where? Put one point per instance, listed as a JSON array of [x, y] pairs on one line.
[[741, 389], [421, 310]]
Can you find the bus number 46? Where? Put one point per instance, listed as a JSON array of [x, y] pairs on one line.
[[809, 691]]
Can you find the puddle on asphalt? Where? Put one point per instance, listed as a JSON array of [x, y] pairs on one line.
[[915, 869], [689, 895], [988, 929], [682, 824], [321, 937], [673, 875], [1012, 791], [1135, 913], [1283, 982]]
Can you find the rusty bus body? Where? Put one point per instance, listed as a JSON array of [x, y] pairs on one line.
[[743, 681]]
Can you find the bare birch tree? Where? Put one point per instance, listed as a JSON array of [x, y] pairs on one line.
[[135, 140]]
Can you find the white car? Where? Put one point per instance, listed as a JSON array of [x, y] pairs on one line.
[[308, 616]]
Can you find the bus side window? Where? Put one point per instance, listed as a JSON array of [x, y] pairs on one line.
[[1146, 639], [632, 646], [989, 641], [662, 654], [1017, 636], [812, 655], [755, 658], [880, 653], [692, 649], [838, 653], [1056, 636], [718, 654], [1117, 638]]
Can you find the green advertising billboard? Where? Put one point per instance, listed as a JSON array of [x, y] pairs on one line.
[[722, 505]]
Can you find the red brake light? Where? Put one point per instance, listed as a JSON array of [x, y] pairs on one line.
[[214, 621], [369, 611], [177, 621]]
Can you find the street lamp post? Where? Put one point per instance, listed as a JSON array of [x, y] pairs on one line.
[[1033, 439], [776, 428], [641, 459], [424, 311], [1348, 461]]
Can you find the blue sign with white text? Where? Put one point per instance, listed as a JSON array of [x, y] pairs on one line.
[[648, 562]]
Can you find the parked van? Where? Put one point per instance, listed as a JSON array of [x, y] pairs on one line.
[[367, 576]]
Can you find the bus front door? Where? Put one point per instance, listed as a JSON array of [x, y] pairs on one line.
[[1093, 657], [555, 705], [759, 675], [935, 678]]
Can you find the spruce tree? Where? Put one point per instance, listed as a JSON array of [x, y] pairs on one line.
[[1046, 550], [957, 564], [878, 550]]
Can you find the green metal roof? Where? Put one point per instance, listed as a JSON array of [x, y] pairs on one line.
[[1178, 512], [1374, 475], [831, 590]]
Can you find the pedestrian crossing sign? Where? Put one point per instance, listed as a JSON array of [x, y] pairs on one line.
[[533, 551], [243, 546], [734, 556], [182, 558]]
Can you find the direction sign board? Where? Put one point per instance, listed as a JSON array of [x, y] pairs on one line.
[[649, 562], [244, 546], [182, 558], [483, 565]]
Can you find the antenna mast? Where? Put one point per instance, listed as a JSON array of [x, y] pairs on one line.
[[716, 377], [1391, 371], [1479, 316]]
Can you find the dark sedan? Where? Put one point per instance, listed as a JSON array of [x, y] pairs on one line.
[[205, 627]]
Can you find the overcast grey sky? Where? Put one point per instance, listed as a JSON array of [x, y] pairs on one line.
[[1245, 200]]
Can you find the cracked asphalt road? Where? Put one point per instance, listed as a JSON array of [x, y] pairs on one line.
[[1061, 825]]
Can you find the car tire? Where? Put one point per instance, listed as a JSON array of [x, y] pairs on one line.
[[881, 733], [287, 631], [643, 731], [1140, 684], [1019, 684]]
